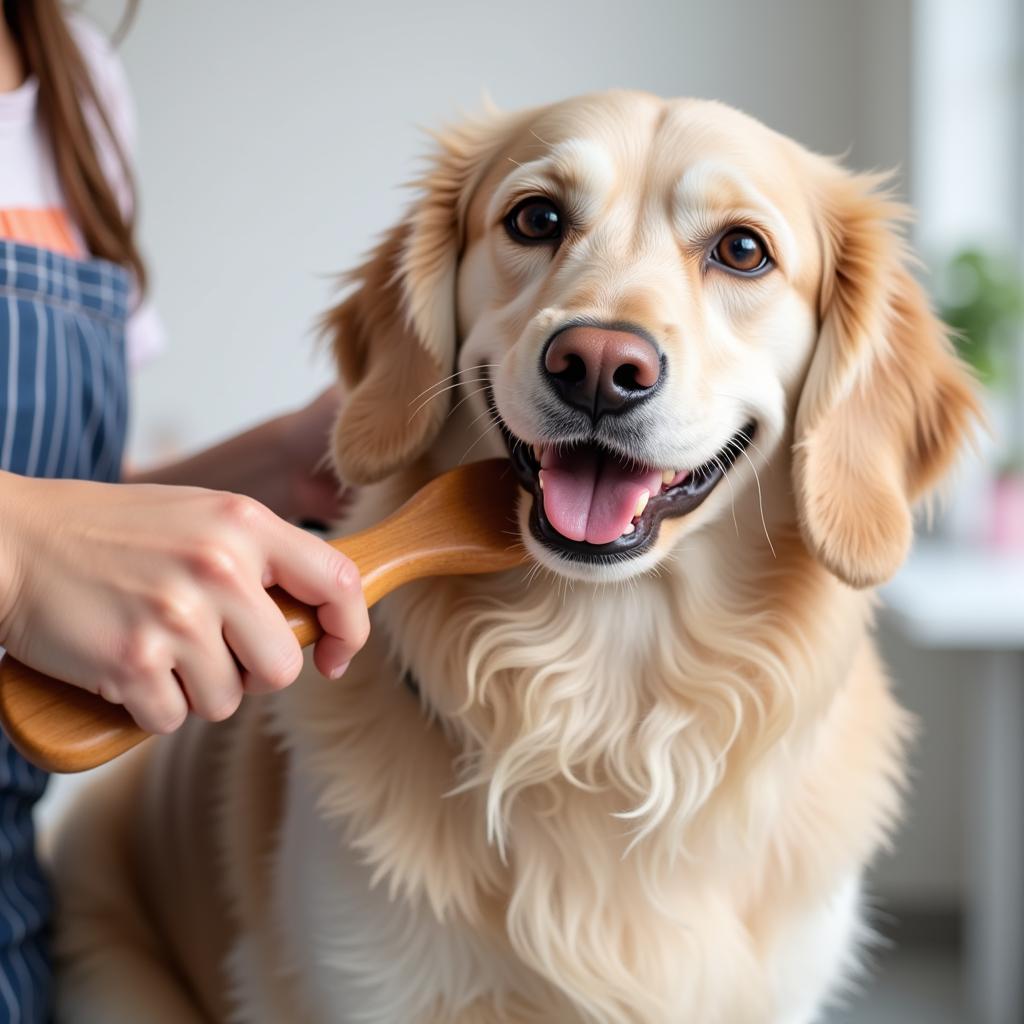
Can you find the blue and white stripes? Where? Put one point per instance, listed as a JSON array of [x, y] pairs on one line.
[[25, 904], [63, 393], [63, 413]]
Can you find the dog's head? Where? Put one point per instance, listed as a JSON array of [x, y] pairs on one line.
[[644, 297]]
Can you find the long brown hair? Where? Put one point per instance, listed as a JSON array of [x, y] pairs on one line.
[[65, 89]]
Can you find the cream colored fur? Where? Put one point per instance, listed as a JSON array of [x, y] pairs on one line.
[[633, 796]]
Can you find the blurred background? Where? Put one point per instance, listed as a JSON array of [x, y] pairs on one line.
[[273, 140]]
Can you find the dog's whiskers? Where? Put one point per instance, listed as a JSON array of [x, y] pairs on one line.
[[494, 426], [760, 498], [437, 384], [428, 400], [465, 398], [439, 387], [732, 491], [476, 419], [482, 367], [764, 458]]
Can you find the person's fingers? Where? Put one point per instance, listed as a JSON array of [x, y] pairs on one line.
[[157, 705], [332, 656], [346, 622], [266, 648], [314, 572], [210, 676], [145, 684]]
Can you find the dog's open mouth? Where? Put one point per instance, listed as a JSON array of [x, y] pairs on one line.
[[593, 504]]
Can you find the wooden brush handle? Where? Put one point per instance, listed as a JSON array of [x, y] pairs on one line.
[[458, 524]]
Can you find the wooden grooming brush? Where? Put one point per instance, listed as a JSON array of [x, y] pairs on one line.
[[461, 523]]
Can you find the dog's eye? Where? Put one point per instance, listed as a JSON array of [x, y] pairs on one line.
[[740, 250], [535, 220]]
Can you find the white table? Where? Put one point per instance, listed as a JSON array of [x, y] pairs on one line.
[[970, 602]]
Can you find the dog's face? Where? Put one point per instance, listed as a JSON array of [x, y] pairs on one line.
[[639, 281], [645, 298]]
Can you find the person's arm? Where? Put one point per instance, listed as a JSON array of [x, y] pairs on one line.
[[281, 463]]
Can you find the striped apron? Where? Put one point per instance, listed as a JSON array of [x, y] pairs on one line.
[[63, 413]]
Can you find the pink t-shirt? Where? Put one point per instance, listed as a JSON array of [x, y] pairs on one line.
[[32, 207]]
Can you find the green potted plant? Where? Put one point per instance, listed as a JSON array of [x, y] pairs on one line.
[[982, 298]]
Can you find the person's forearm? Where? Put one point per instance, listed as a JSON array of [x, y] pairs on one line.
[[282, 463], [250, 463]]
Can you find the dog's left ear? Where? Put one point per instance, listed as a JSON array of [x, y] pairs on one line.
[[886, 404], [394, 336]]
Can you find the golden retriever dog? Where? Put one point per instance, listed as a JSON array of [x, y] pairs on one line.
[[640, 779]]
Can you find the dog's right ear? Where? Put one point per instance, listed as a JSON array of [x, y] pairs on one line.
[[394, 336]]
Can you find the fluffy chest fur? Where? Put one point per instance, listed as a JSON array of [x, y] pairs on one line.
[[626, 809]]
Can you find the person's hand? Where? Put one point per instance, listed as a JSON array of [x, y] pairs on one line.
[[309, 488], [154, 597]]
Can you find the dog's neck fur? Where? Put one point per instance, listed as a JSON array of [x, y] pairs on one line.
[[588, 742], [542, 684]]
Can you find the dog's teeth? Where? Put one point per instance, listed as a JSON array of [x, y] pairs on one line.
[[628, 530], [667, 477], [540, 479], [538, 452], [641, 504]]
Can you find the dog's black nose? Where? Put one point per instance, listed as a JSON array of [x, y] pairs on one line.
[[601, 369]]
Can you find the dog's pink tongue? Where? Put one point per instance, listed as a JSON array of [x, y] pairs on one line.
[[592, 497]]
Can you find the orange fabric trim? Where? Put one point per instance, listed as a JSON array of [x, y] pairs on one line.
[[47, 228]]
